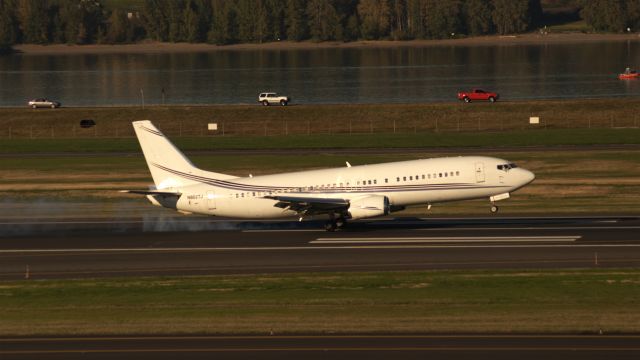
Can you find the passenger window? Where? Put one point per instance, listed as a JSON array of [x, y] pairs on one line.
[[440, 175], [375, 181], [445, 174], [386, 180], [451, 173], [422, 176], [457, 173], [398, 179], [410, 177], [369, 182], [404, 178]]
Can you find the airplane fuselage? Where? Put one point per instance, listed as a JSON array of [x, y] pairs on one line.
[[404, 183]]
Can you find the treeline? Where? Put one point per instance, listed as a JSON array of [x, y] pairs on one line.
[[255, 21], [612, 15]]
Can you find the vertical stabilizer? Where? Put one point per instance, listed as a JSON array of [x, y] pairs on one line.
[[168, 165]]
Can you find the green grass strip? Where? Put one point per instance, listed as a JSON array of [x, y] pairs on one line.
[[545, 301], [410, 140]]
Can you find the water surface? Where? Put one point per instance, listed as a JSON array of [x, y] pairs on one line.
[[334, 75]]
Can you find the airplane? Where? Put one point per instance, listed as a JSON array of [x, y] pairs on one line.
[[343, 194]]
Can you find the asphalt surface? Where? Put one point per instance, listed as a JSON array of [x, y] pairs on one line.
[[327, 347], [193, 246]]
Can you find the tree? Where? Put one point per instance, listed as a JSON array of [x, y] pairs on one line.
[[262, 25], [296, 20], [224, 23], [118, 27], [605, 15], [477, 17], [8, 25], [34, 21], [375, 18], [633, 14], [511, 16], [323, 20], [191, 24], [416, 19], [155, 20], [175, 19], [443, 17], [246, 12], [276, 10], [399, 19]]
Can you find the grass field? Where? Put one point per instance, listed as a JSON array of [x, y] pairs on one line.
[[257, 121], [319, 141], [556, 301]]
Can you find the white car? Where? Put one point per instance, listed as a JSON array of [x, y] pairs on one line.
[[36, 103], [269, 98]]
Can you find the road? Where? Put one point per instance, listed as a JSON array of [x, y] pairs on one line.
[[184, 246]]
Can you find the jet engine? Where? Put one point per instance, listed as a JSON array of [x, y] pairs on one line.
[[369, 206]]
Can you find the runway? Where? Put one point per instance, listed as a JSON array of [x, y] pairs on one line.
[[186, 246], [523, 347]]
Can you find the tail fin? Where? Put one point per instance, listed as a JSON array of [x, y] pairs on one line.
[[168, 165]]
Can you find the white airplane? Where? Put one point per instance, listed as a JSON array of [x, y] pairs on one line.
[[346, 193]]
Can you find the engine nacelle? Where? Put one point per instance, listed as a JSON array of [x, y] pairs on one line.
[[370, 206]]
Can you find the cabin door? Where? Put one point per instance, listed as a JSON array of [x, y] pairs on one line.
[[210, 202], [479, 172]]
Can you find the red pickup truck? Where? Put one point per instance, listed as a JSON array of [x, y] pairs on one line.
[[478, 94]]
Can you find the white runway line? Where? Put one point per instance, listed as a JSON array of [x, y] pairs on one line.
[[312, 248], [448, 239], [284, 230], [530, 228]]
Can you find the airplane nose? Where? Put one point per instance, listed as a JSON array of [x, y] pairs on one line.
[[527, 176]]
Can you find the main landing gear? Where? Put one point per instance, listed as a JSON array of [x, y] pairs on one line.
[[335, 223], [494, 208]]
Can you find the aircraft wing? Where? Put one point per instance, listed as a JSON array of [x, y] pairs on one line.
[[310, 205]]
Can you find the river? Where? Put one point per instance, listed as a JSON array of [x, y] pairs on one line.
[[321, 76]]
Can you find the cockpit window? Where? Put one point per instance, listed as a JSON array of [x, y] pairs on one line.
[[507, 167]]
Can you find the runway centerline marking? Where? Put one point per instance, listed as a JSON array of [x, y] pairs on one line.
[[447, 239]]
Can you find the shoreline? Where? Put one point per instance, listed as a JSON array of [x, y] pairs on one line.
[[148, 47]]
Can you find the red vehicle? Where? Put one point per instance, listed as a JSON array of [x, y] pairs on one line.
[[478, 94]]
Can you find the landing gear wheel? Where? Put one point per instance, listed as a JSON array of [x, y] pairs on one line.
[[330, 226], [340, 222], [494, 209]]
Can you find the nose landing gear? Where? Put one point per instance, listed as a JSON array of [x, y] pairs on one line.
[[494, 208]]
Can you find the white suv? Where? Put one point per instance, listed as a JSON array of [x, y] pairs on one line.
[[272, 98]]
